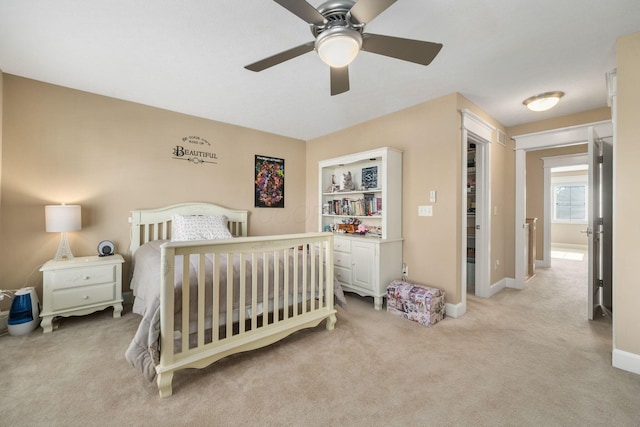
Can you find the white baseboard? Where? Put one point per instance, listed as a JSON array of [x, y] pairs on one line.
[[626, 361], [543, 263], [561, 246], [511, 283], [455, 310], [495, 288]]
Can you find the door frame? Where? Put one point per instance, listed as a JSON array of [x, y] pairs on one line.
[[536, 141], [480, 132]]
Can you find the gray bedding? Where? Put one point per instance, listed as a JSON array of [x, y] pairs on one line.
[[143, 352]]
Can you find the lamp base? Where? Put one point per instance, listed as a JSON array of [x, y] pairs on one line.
[[64, 250]]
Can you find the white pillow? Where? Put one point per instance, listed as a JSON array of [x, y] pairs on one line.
[[199, 227]]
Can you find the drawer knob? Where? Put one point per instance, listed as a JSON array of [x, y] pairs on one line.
[[85, 297], [86, 277]]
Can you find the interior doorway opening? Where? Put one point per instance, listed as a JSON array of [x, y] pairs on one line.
[[599, 140]]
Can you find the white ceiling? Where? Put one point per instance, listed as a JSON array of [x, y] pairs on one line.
[[188, 57]]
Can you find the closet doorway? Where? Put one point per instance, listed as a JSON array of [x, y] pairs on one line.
[[476, 200]]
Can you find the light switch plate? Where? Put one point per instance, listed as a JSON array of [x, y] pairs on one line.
[[432, 196], [426, 210]]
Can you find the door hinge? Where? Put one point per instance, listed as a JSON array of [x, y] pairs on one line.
[[600, 159], [601, 283], [600, 221]]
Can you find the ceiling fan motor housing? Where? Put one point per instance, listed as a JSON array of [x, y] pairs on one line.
[[336, 14]]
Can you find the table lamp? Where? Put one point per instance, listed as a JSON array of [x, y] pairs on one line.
[[63, 218]]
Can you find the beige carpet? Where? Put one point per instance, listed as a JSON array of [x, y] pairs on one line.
[[520, 358]]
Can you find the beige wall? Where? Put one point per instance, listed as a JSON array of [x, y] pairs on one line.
[[430, 137], [111, 156], [1, 135], [626, 178], [569, 235], [590, 116]]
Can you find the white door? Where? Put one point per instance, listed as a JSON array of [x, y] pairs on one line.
[[600, 225], [594, 228], [482, 220], [606, 203]]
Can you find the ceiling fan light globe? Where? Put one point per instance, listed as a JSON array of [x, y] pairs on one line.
[[338, 47]]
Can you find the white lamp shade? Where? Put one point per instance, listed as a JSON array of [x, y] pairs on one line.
[[338, 47], [63, 218]]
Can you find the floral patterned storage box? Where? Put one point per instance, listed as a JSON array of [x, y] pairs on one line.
[[416, 302]]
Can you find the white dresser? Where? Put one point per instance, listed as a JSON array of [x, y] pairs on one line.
[[81, 286], [366, 266]]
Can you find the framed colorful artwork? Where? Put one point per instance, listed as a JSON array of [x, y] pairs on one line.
[[269, 182]]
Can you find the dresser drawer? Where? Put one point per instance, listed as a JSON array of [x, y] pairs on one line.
[[342, 260], [64, 299], [73, 277], [341, 245], [343, 275]]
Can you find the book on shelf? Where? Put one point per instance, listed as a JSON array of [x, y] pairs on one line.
[[368, 205]]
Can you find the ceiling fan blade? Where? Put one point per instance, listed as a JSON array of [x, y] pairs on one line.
[[339, 80], [303, 10], [406, 49], [364, 11], [281, 57]]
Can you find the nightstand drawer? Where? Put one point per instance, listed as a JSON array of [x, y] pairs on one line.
[[341, 245], [63, 299], [342, 260], [71, 278]]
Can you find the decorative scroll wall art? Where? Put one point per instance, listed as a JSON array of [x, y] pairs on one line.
[[191, 151], [269, 182]]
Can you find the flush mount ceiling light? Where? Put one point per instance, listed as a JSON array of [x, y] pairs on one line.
[[338, 46], [543, 102]]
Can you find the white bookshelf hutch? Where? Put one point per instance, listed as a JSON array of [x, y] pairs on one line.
[[364, 263]]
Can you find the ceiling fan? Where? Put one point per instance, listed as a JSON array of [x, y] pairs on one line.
[[338, 28]]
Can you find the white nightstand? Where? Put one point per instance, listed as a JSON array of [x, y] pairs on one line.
[[81, 286]]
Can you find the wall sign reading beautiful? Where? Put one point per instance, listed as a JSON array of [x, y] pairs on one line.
[[194, 155], [269, 182]]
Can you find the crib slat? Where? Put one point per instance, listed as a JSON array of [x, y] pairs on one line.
[[229, 307], [201, 298], [286, 283], [304, 282], [243, 293], [312, 280], [294, 251], [167, 305], [215, 299], [265, 289], [186, 291], [276, 286], [254, 291], [321, 278]]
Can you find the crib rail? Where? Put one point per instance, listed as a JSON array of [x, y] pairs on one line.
[[282, 284]]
